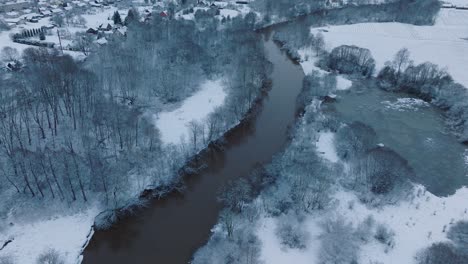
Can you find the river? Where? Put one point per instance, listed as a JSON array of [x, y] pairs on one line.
[[173, 228]]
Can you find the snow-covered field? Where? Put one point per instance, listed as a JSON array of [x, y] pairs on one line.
[[65, 234], [445, 43], [173, 125], [417, 224]]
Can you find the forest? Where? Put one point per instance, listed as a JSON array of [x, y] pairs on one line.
[[73, 133]]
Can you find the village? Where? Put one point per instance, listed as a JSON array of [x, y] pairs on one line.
[[77, 27]]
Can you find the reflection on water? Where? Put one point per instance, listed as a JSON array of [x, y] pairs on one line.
[[414, 129]]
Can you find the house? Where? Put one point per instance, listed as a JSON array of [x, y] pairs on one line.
[[163, 14], [46, 13], [120, 32], [101, 41], [94, 4], [14, 6], [106, 27], [56, 11], [92, 31], [12, 21]]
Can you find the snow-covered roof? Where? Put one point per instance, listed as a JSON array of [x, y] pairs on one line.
[[101, 41]]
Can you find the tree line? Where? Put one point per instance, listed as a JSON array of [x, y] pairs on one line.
[[74, 131]]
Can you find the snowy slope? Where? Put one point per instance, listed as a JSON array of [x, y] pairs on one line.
[[445, 43], [174, 124]]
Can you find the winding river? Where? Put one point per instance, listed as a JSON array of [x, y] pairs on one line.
[[172, 229]]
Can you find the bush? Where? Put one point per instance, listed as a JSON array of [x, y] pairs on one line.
[[381, 169], [441, 253], [365, 229], [384, 235], [338, 244], [7, 260], [351, 60], [354, 140], [291, 233], [50, 256], [458, 233]]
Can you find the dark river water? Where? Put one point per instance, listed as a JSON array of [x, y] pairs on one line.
[[172, 229], [417, 132]]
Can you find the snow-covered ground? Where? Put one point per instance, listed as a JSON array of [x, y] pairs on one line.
[[65, 234], [307, 62], [173, 125], [404, 104], [457, 3], [94, 18], [445, 43], [418, 220], [325, 146], [229, 10], [417, 224]]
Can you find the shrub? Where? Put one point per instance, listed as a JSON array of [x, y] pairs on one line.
[[365, 229], [354, 139], [338, 244], [441, 253], [381, 169], [351, 60], [384, 235], [6, 260], [458, 233], [291, 233], [50, 256]]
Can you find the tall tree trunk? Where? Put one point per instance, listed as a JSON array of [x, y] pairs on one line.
[[47, 179], [67, 173], [55, 178], [36, 180], [26, 180], [79, 178]]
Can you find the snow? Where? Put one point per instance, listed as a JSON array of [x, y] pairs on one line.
[[458, 3], [417, 223], [325, 146], [445, 43], [65, 234], [229, 13], [173, 125], [418, 220], [343, 83], [273, 252], [307, 63], [405, 104]]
